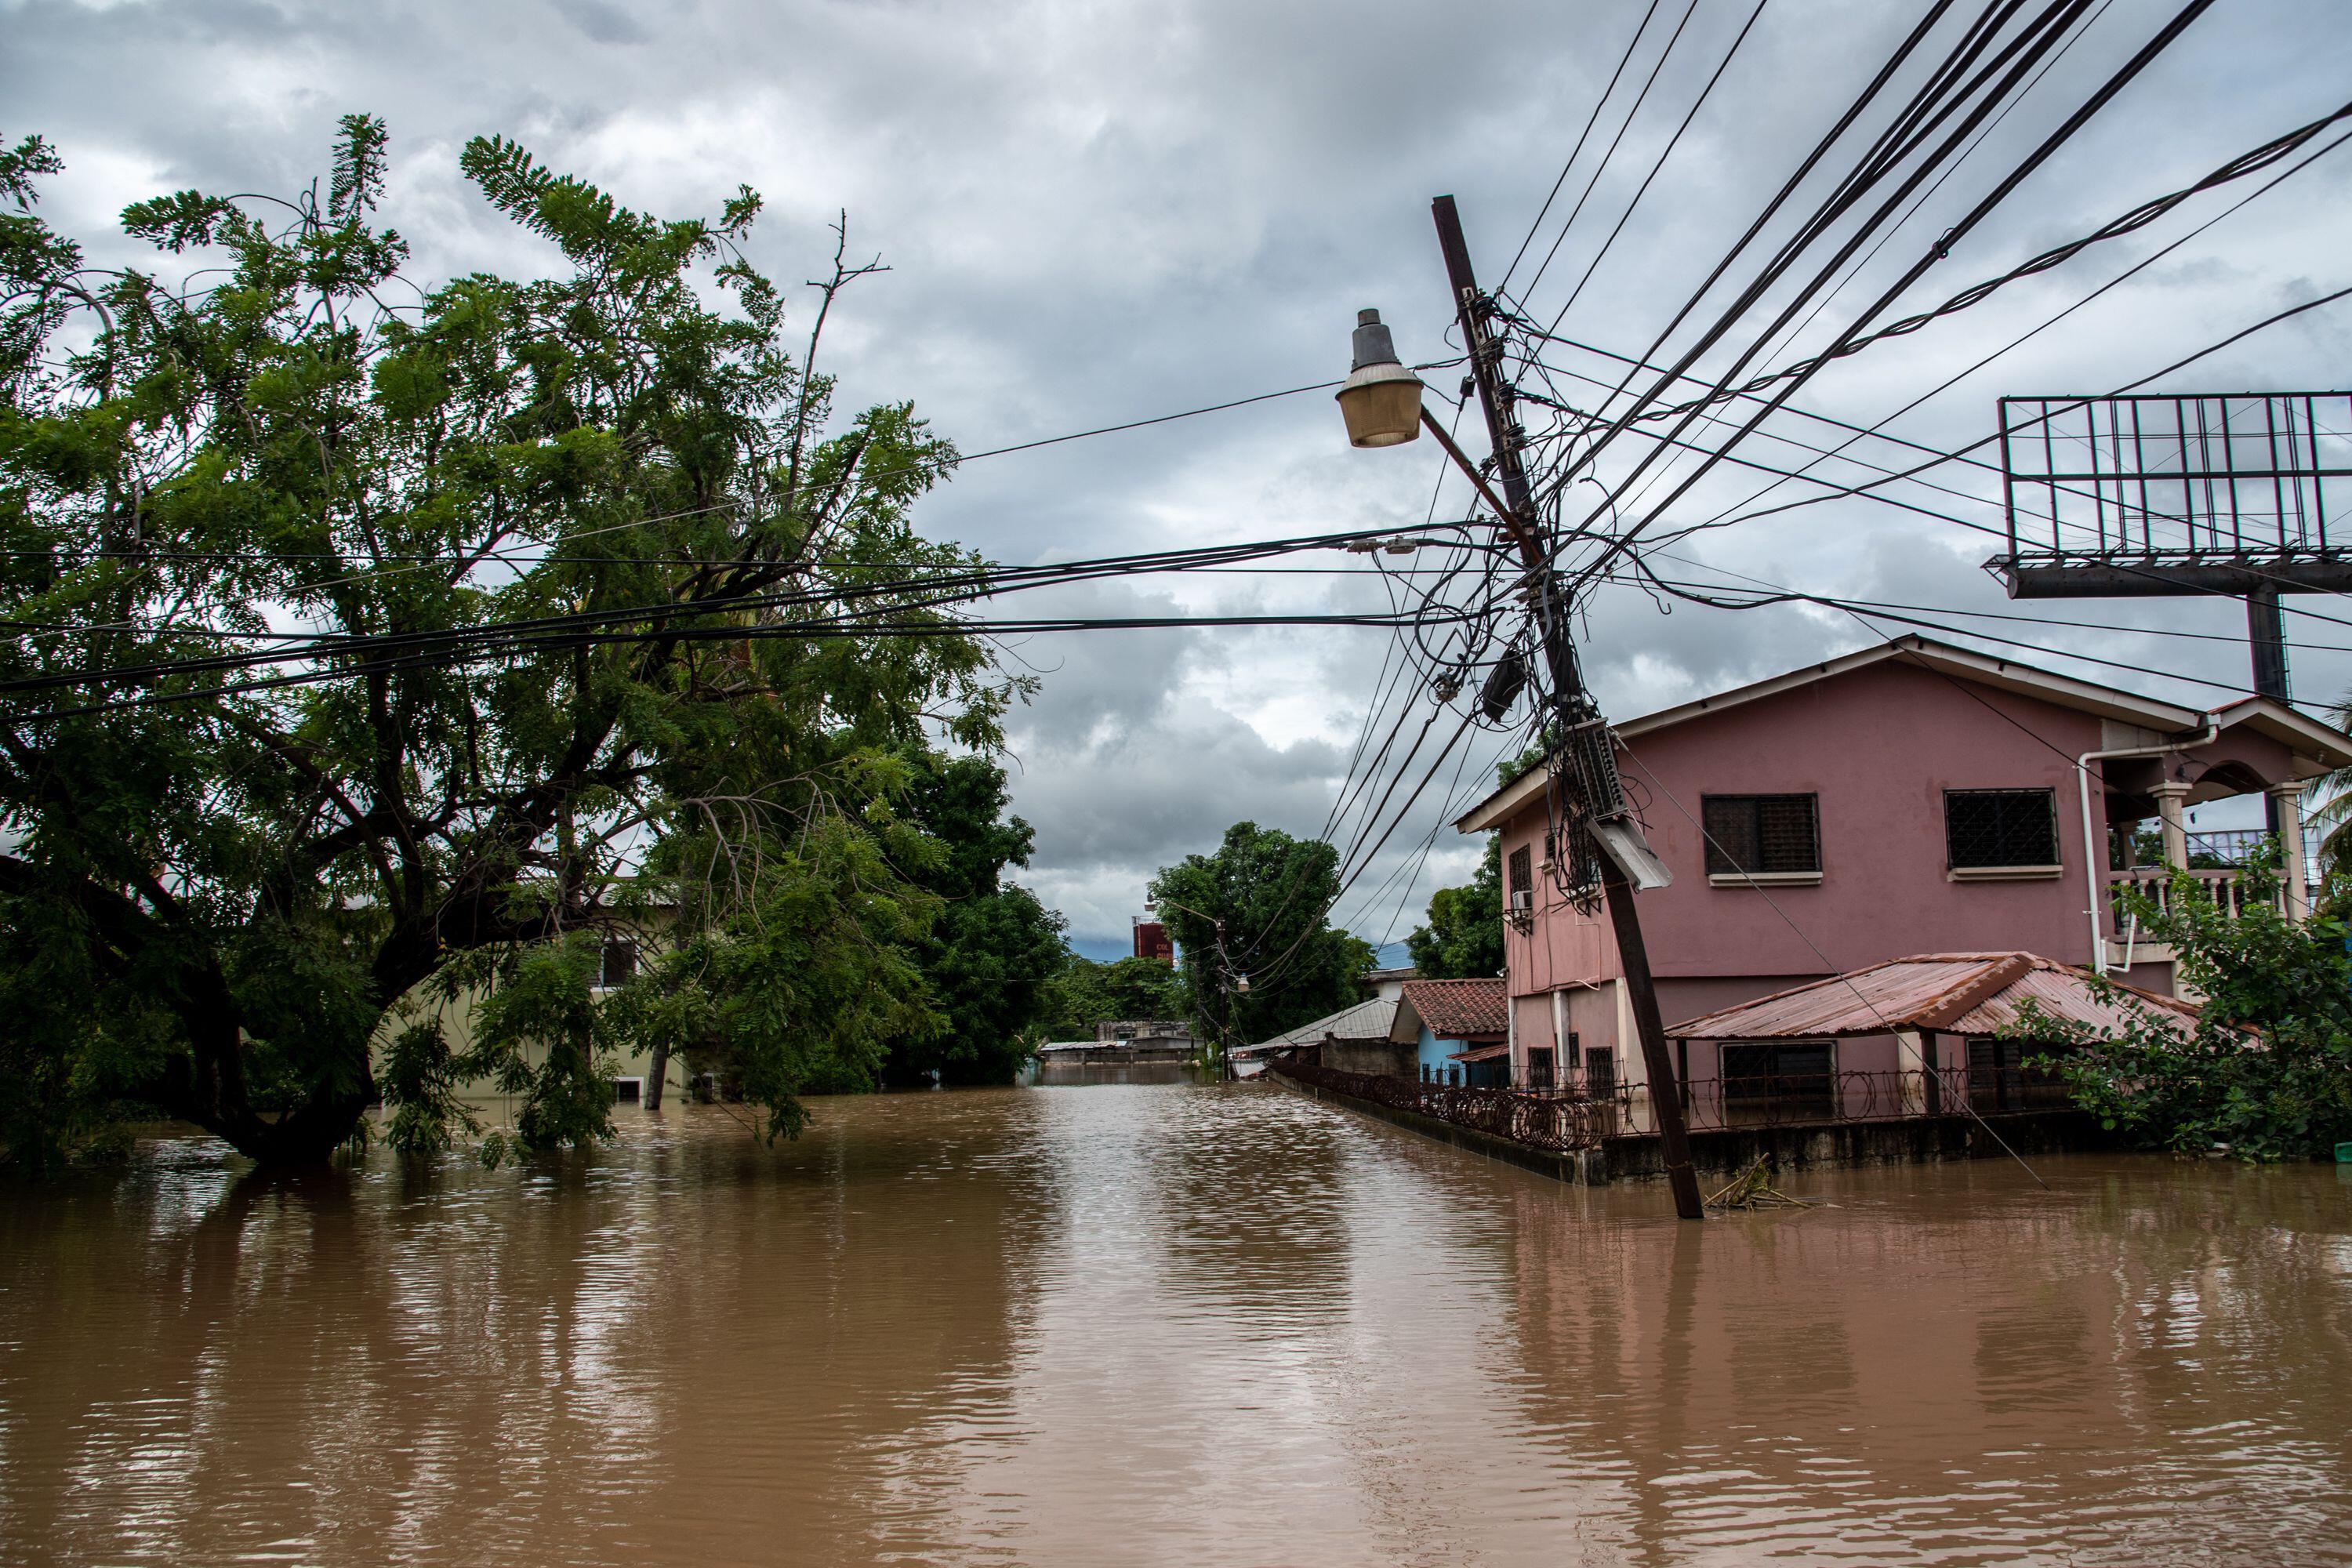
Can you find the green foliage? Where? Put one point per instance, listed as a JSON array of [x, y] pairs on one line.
[[1464, 938], [1510, 770], [2267, 1071], [1082, 993], [800, 988], [420, 1081], [537, 1034], [988, 957], [215, 891], [1272, 894]]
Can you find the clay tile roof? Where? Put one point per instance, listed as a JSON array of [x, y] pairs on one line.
[[1458, 1009], [1954, 992]]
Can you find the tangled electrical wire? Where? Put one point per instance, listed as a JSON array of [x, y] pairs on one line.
[[934, 605]]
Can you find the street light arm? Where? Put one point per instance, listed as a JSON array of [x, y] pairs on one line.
[[1462, 460], [1195, 914]]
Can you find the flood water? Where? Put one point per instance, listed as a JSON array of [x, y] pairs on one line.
[[1165, 1324]]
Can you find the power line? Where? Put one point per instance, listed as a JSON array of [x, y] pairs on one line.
[[2097, 100], [1590, 121], [2137, 219], [1671, 142], [1878, 427], [1600, 168], [492, 637]]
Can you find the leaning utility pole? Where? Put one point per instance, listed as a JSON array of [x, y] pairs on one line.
[[1594, 762]]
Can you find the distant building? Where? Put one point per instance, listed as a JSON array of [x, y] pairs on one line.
[[1121, 1042], [1151, 941], [1388, 984]]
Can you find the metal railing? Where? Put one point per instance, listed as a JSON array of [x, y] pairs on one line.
[[1559, 1122], [1564, 1121]]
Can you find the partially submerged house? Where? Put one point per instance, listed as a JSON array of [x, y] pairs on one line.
[[1927, 1036], [1914, 797], [1353, 1039], [1459, 1030]]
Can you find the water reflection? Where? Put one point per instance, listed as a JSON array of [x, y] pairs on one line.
[[1146, 1323]]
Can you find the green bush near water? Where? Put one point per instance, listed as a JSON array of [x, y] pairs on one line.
[[2266, 1072]]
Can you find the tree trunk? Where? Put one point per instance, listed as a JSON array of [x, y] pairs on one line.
[[654, 1078], [216, 1097]]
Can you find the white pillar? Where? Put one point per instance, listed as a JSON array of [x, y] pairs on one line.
[[1910, 1056], [2294, 875], [2169, 796], [1560, 1066]]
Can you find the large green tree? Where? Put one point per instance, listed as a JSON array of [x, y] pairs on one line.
[[994, 946], [596, 571], [1273, 895], [1464, 938]]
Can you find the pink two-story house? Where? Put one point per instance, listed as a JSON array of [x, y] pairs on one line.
[[1911, 798]]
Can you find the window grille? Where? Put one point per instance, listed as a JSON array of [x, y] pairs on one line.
[[1761, 832], [1522, 877], [1778, 1082], [1599, 1071], [620, 964], [1985, 827]]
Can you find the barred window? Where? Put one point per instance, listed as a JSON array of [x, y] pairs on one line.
[[620, 965], [1761, 832], [1522, 876], [1984, 827]]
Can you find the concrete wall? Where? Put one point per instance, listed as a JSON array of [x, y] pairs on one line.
[[1381, 1057]]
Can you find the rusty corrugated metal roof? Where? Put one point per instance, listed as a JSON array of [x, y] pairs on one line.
[[1952, 992]]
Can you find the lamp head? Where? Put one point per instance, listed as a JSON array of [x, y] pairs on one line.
[[1380, 399]]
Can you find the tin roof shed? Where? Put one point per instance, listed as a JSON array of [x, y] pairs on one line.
[[1364, 1021]]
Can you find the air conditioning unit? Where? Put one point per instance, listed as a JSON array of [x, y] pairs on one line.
[[1523, 900]]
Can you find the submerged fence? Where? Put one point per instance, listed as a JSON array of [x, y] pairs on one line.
[[1563, 1122], [1550, 1121]]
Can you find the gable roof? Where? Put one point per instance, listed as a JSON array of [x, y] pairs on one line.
[[1978, 668], [2299, 732], [1455, 1009], [1951, 993], [1364, 1021]]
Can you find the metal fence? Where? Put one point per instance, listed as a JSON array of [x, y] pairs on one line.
[[1564, 1121], [1559, 1122]]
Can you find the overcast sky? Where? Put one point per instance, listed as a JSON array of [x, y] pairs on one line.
[[1098, 213]]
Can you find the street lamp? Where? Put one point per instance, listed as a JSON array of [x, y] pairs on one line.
[[1381, 400]]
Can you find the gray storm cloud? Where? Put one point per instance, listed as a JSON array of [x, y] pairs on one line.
[[1098, 214]]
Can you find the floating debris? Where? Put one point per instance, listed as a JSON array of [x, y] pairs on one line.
[[1752, 1191]]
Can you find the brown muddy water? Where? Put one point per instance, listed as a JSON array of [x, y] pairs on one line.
[[1164, 1324]]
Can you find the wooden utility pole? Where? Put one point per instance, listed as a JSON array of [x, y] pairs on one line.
[[1568, 698]]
